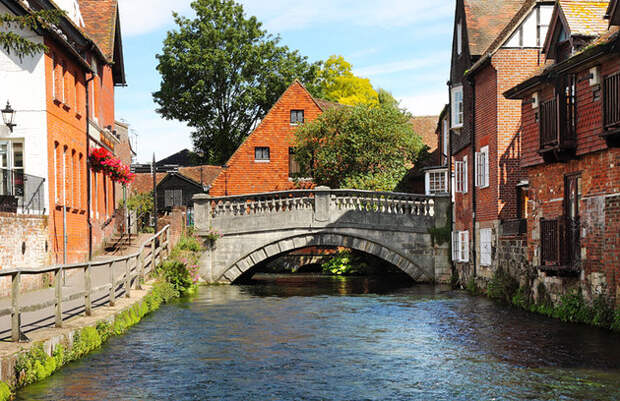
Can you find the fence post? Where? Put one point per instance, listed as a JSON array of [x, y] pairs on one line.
[[88, 285], [58, 288], [112, 285], [153, 258], [140, 269], [127, 279], [168, 243], [15, 320]]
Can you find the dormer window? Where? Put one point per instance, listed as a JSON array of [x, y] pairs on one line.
[[297, 117]]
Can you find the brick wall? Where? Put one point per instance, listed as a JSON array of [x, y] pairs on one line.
[[25, 243], [245, 175]]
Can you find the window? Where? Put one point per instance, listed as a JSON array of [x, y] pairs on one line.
[[297, 117], [436, 182], [261, 154], [459, 38], [486, 257], [79, 181], [294, 170], [76, 102], [54, 77], [522, 202], [74, 180], [457, 107], [444, 140], [64, 97], [482, 167], [65, 181], [461, 175], [460, 246], [105, 196]]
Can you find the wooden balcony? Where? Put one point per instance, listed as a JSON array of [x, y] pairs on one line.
[[558, 128], [611, 109], [559, 246], [514, 228]]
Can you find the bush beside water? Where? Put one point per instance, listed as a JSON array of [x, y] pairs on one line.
[[571, 308], [175, 277]]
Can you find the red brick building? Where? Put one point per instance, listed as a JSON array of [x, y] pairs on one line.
[[570, 135], [496, 45], [265, 161], [80, 107]]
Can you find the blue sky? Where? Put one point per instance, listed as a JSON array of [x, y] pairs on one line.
[[400, 45]]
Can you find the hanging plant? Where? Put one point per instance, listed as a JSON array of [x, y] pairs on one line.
[[101, 160]]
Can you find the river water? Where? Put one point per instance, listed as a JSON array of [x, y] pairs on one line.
[[322, 338]]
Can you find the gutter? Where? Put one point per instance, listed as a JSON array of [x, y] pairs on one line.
[[472, 183]]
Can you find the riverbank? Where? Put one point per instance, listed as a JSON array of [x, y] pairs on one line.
[[52, 348]]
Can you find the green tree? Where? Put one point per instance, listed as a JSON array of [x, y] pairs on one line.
[[338, 84], [13, 42], [142, 204], [363, 147], [221, 73]]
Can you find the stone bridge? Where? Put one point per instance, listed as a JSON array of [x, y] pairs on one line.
[[255, 228]]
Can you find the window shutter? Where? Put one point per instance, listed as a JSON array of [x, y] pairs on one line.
[[465, 174], [464, 246], [477, 169], [485, 247], [455, 246], [427, 183], [486, 168]]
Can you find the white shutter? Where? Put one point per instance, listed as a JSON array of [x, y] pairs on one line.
[[453, 187], [455, 246], [464, 246], [485, 247], [465, 174], [486, 167], [477, 169], [427, 183]]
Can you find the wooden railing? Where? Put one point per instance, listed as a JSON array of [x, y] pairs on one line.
[[611, 101], [550, 241], [136, 268], [340, 199], [549, 123]]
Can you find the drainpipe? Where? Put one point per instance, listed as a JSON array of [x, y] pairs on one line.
[[472, 82], [88, 183]]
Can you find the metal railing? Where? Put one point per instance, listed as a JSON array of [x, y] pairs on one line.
[[136, 269], [21, 193], [550, 241]]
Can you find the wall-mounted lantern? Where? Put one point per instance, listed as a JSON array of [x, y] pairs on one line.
[[8, 114]]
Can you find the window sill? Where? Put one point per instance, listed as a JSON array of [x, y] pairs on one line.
[[262, 161], [457, 127]]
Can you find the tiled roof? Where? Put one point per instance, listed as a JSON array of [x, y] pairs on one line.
[[326, 104], [144, 181], [100, 19], [426, 127], [585, 18], [486, 19]]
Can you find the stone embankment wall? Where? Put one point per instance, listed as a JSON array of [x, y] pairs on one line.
[[24, 242]]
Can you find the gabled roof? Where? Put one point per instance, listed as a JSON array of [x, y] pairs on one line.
[[505, 34], [426, 127], [102, 20], [325, 105], [580, 18], [144, 181], [613, 12], [486, 19]]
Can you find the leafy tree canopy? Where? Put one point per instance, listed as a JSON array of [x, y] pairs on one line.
[[14, 42], [364, 147], [337, 83], [221, 73]]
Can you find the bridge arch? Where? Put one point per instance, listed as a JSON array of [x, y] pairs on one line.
[[323, 239]]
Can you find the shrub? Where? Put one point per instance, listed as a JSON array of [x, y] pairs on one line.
[[189, 243], [177, 274], [5, 392], [502, 286], [615, 326], [345, 263]]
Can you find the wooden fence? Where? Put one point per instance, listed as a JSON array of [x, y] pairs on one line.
[[137, 267]]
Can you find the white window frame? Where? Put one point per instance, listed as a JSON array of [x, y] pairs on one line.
[[428, 181], [460, 246], [456, 107], [461, 175], [482, 167], [444, 139], [486, 243]]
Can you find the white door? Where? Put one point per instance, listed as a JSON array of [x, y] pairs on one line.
[[4, 165]]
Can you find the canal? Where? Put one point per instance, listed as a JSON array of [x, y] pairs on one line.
[[307, 337]]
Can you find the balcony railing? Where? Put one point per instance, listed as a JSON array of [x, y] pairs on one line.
[[21, 193], [550, 242], [611, 101], [558, 118], [559, 243]]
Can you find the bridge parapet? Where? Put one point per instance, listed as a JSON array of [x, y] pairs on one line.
[[393, 226]]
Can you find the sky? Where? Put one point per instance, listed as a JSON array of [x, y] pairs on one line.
[[402, 46]]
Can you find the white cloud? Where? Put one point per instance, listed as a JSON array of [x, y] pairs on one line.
[[156, 135], [404, 65], [368, 13], [143, 16], [425, 104]]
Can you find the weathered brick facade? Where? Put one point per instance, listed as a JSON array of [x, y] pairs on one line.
[[245, 175]]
